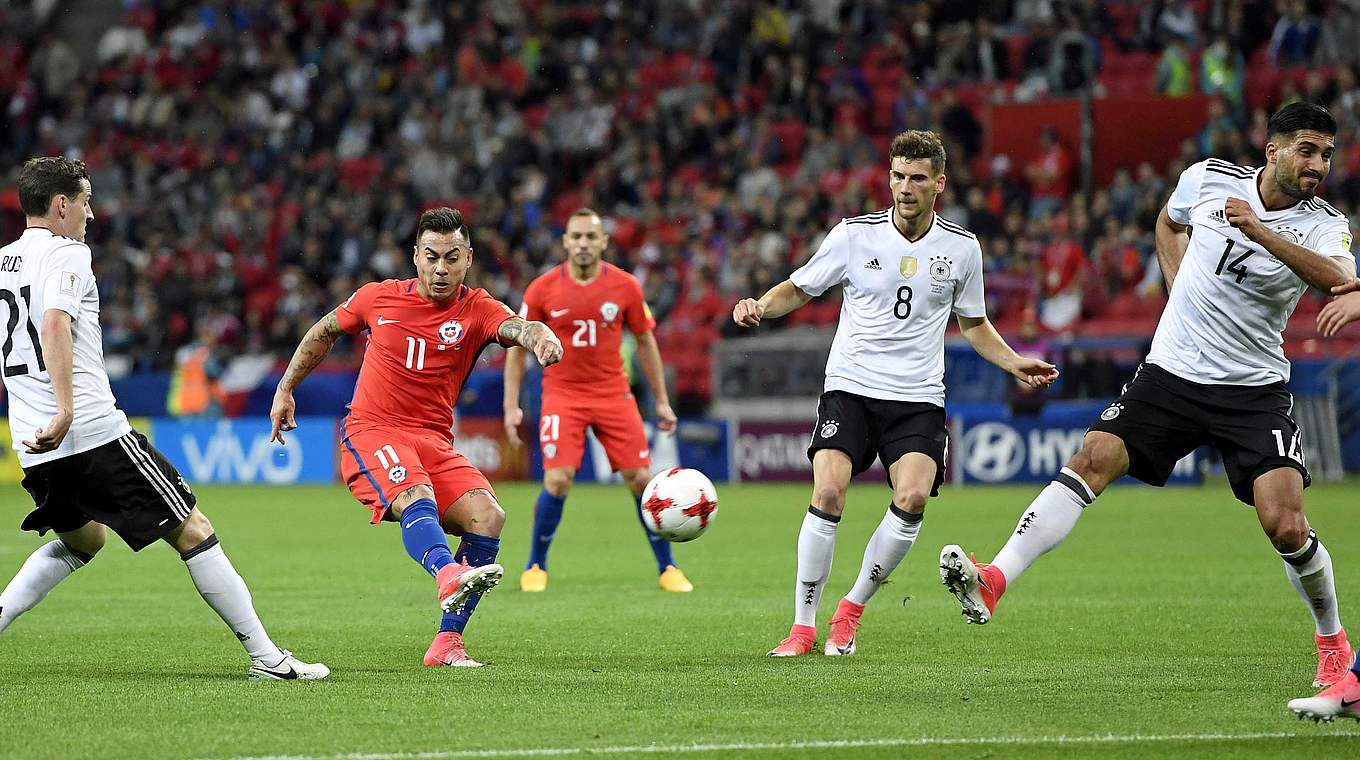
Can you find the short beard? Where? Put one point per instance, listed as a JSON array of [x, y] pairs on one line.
[[1294, 191]]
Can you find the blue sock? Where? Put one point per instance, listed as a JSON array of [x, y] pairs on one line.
[[661, 548], [423, 536], [547, 515], [478, 550]]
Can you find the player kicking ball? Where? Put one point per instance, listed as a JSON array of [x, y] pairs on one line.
[[589, 303], [905, 270], [87, 470], [397, 454], [1216, 373]]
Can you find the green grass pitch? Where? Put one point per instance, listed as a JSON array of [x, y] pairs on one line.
[[1164, 627]]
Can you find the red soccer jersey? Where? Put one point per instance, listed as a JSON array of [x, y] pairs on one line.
[[419, 354], [589, 319]]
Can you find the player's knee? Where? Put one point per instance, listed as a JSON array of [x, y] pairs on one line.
[[910, 499], [1098, 462], [1287, 530], [86, 542], [636, 479], [192, 532], [829, 499], [557, 482], [487, 516]]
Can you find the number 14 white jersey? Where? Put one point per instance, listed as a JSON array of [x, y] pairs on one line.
[[1224, 322], [38, 272]]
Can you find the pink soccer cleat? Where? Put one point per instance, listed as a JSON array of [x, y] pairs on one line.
[[459, 581], [1340, 700], [800, 641], [977, 585], [447, 650], [841, 639], [1334, 658]]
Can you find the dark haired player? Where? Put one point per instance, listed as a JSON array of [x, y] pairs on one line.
[[1216, 373], [87, 470], [397, 452]]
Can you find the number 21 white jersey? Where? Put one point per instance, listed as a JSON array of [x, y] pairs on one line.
[[38, 272], [1224, 321]]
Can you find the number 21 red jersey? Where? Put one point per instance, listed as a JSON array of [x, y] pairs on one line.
[[419, 353], [589, 319]]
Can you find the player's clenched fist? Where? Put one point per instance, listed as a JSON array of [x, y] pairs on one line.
[[1241, 216], [748, 312], [548, 350]]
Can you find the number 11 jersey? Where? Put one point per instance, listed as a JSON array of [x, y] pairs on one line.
[[1224, 322]]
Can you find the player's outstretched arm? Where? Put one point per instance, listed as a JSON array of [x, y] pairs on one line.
[[58, 355], [313, 348], [515, 356], [1338, 313], [777, 301], [1321, 271], [1172, 240], [1036, 373], [649, 357], [535, 336]]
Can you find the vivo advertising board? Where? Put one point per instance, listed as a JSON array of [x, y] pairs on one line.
[[239, 451]]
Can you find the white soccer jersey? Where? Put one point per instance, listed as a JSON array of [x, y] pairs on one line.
[[898, 298], [42, 271], [1224, 322]]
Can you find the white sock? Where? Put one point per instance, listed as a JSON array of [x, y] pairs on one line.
[[1050, 517], [1310, 572], [222, 588], [41, 573], [816, 545], [891, 541]]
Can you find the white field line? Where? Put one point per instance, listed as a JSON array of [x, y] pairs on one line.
[[924, 741]]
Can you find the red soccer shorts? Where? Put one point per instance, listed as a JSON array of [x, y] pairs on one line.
[[378, 463], [616, 422]]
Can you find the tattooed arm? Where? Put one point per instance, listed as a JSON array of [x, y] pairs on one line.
[[535, 336], [313, 348]]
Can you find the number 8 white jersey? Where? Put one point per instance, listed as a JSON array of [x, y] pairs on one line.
[[1224, 322], [42, 271], [898, 298]]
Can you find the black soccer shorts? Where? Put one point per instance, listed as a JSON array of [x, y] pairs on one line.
[[865, 428], [125, 484], [1162, 417]]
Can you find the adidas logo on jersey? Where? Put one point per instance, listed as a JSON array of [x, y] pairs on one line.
[[1217, 216], [874, 265]]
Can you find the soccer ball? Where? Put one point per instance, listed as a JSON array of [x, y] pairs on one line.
[[679, 504]]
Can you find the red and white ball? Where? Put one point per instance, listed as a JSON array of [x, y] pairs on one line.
[[679, 504]]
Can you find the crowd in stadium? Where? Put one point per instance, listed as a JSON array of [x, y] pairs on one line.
[[253, 161]]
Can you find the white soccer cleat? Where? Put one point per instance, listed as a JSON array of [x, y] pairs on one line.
[[977, 586], [459, 582], [289, 668], [1340, 700]]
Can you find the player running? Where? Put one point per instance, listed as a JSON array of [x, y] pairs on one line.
[[397, 455], [85, 467], [1216, 373], [589, 303], [905, 269]]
